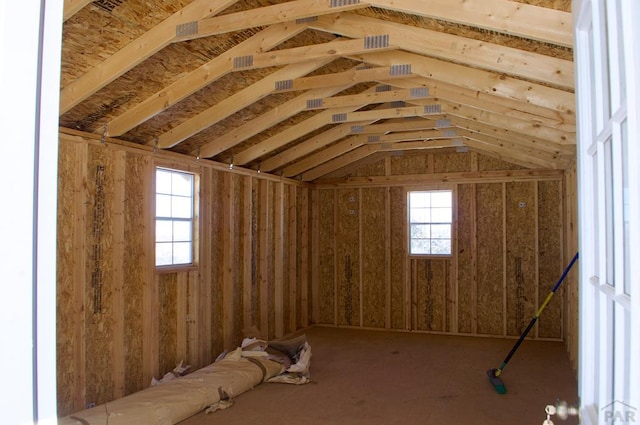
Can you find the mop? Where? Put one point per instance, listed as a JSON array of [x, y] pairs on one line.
[[494, 374]]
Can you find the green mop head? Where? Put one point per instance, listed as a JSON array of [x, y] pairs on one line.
[[495, 381]]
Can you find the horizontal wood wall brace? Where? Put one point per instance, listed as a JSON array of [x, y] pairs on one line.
[[465, 177]]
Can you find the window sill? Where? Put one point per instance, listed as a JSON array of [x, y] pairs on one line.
[[176, 268], [430, 256]]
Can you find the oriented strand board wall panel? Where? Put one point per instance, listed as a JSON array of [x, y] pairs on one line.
[[201, 307], [398, 219], [487, 163], [120, 320], [134, 271], [465, 255], [246, 251], [551, 256], [98, 319], [410, 164], [217, 249], [451, 162], [255, 263], [521, 240], [489, 286], [271, 267], [118, 219], [374, 288], [348, 257], [431, 277], [291, 293], [70, 219], [490, 258], [304, 257], [236, 255], [326, 256], [376, 168], [168, 313]]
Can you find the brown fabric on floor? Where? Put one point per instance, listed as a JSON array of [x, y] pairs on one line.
[[380, 377]]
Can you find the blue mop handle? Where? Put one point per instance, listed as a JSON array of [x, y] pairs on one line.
[[535, 318]]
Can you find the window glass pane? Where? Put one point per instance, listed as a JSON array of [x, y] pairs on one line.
[[441, 215], [181, 207], [163, 254], [174, 210], [625, 207], [163, 181], [420, 199], [182, 231], [430, 224], [622, 79], [441, 231], [420, 215], [182, 184], [420, 231], [605, 78], [182, 253], [608, 204], [441, 199], [596, 216], [420, 246], [163, 206], [163, 231], [441, 246]]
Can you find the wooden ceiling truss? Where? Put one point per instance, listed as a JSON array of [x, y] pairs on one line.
[[400, 86]]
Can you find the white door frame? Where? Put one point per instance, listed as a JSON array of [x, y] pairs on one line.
[[607, 51], [30, 46]]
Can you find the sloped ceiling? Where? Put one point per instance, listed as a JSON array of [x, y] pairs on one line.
[[307, 87]]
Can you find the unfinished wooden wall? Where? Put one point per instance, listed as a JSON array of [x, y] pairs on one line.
[[134, 323], [508, 249]]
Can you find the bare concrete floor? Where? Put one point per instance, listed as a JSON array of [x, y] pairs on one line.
[[380, 377]]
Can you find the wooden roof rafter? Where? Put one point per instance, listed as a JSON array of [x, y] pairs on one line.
[[297, 10], [474, 53], [352, 150], [333, 49], [341, 152], [507, 17], [550, 151], [310, 145], [337, 104], [561, 120], [135, 52], [361, 74], [71, 7], [292, 133], [465, 124], [232, 104], [506, 102], [479, 80], [201, 77], [511, 143]]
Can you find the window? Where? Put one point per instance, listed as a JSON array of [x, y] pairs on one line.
[[174, 217], [430, 221]]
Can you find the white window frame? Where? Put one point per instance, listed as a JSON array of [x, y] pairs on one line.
[[451, 222], [193, 220]]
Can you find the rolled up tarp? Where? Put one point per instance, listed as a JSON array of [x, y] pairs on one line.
[[179, 399]]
